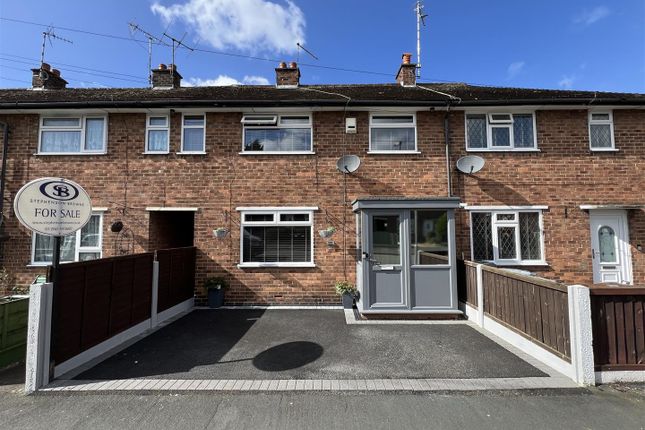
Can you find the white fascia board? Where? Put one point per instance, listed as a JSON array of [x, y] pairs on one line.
[[609, 206], [275, 208], [170, 209], [503, 208]]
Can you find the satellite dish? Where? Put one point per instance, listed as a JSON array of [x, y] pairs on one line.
[[348, 163], [43, 75], [470, 164]]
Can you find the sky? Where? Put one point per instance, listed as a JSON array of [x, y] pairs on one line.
[[572, 44]]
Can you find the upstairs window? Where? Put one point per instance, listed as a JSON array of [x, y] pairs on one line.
[[601, 131], [157, 134], [507, 237], [277, 134], [393, 133], [500, 131], [193, 134], [82, 134], [85, 244]]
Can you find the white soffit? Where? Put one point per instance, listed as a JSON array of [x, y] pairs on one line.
[[170, 209]]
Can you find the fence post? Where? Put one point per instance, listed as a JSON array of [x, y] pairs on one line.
[[38, 337], [480, 296], [582, 358], [155, 293]]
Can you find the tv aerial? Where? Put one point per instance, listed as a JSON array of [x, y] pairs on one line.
[[49, 35], [348, 163], [470, 164]]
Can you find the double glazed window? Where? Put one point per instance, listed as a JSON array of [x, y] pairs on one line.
[[72, 134], [601, 131], [157, 134], [507, 237], [193, 134], [277, 133], [429, 237], [500, 131], [393, 133], [277, 238], [83, 245]]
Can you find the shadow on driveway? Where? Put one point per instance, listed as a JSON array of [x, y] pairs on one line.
[[308, 344]]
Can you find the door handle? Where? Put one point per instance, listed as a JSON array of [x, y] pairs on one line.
[[593, 253]]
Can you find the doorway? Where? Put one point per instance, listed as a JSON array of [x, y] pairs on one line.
[[610, 247], [171, 229]]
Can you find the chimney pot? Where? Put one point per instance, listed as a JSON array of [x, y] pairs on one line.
[[162, 66], [282, 65], [56, 73], [46, 67], [406, 76], [406, 58], [166, 77], [293, 65]]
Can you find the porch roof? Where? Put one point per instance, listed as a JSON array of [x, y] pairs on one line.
[[405, 202]]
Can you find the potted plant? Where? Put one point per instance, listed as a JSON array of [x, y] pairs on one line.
[[328, 232], [348, 293], [215, 288], [220, 232]]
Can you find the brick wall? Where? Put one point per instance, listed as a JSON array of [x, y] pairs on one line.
[[563, 175]]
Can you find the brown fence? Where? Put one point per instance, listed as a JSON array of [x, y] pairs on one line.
[[618, 321], [176, 276], [467, 282], [94, 300]]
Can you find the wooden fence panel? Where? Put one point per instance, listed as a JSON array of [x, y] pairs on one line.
[[13, 330], [618, 321], [533, 307], [467, 282], [176, 276]]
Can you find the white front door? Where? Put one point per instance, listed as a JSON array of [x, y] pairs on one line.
[[610, 247]]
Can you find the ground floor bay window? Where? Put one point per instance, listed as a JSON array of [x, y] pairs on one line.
[[276, 237], [507, 236], [85, 244]]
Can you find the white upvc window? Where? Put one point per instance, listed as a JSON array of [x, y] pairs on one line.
[[393, 133], [78, 134], [501, 131], [85, 244], [157, 134], [601, 131], [277, 237], [512, 237], [193, 134], [277, 134]]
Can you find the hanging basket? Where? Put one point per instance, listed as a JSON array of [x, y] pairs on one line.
[[327, 233], [220, 233]]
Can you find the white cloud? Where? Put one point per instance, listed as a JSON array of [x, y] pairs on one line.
[[590, 16], [567, 82], [514, 69], [225, 80], [247, 25]]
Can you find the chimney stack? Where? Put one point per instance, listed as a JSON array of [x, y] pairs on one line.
[[287, 77], [166, 77], [46, 78], [407, 72]]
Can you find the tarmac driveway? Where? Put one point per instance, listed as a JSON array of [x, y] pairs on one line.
[[308, 344]]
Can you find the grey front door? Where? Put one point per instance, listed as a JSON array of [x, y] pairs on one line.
[[385, 261]]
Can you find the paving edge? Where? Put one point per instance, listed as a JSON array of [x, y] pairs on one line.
[[215, 385]]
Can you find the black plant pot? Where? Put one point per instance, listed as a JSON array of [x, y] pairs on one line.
[[215, 297], [348, 301]]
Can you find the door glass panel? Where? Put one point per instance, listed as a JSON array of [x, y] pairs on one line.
[[385, 239], [429, 237], [506, 243], [607, 244]]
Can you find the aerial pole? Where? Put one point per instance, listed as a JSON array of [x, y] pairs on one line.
[[49, 35], [151, 38], [418, 9]]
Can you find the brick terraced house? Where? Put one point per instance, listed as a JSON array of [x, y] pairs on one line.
[[561, 193]]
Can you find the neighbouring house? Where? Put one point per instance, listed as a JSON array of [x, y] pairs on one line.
[[561, 193]]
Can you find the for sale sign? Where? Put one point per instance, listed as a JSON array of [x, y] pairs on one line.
[[53, 206]]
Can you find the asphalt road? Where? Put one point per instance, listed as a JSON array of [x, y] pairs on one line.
[[599, 408]]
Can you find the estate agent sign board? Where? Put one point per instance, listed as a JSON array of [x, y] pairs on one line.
[[53, 206]]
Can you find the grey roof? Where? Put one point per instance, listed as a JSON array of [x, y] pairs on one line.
[[430, 94]]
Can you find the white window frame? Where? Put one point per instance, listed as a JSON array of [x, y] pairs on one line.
[[609, 122], [508, 223], [397, 125], [184, 127], [274, 122], [277, 211], [81, 128], [78, 249], [160, 128], [490, 124]]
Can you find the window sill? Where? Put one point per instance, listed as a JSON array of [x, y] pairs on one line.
[[604, 149], [84, 154], [503, 150], [277, 153], [191, 153], [274, 265], [393, 152], [156, 153]]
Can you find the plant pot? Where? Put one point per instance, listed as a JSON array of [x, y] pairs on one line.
[[220, 233], [325, 234], [215, 297], [348, 301]]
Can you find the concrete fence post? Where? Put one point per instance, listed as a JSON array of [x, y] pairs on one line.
[[38, 337], [580, 330], [480, 296], [155, 294]]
